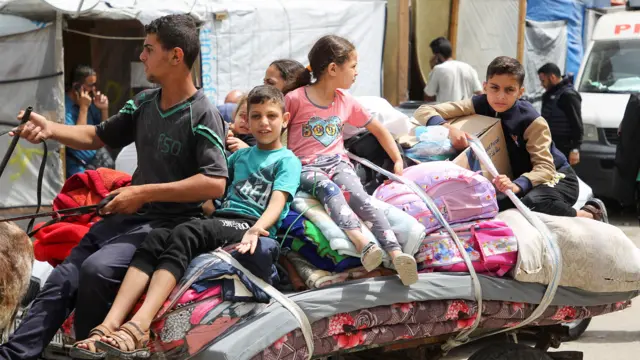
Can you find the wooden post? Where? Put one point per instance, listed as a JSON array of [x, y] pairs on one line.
[[522, 24], [396, 52], [453, 26], [403, 50]]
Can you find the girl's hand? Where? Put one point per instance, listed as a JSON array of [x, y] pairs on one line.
[[398, 167], [503, 183]]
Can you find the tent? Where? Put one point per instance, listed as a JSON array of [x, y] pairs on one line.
[[239, 38], [554, 33]]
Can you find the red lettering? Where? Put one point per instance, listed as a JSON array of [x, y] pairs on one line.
[[622, 27], [636, 29]]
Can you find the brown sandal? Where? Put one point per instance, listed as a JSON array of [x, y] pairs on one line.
[[597, 209], [132, 342], [78, 353]]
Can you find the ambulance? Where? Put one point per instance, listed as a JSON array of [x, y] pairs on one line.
[[609, 73]]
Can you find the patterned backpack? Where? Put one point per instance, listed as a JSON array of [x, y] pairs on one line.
[[460, 194], [490, 244]]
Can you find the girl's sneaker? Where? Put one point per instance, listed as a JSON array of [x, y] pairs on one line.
[[371, 256], [407, 268]]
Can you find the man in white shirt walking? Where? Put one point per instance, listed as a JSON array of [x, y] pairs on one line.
[[450, 80]]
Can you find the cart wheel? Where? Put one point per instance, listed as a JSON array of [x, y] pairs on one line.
[[576, 329], [507, 351]]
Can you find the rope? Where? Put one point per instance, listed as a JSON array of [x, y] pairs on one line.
[[294, 222], [463, 336], [107, 37], [104, 36], [32, 78], [550, 245]]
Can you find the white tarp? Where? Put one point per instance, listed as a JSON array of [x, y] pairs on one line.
[[143, 10], [29, 55], [544, 42], [236, 51], [486, 29], [11, 25]]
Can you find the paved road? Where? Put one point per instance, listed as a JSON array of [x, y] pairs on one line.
[[610, 337]]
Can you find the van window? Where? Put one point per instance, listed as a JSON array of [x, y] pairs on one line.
[[612, 67]]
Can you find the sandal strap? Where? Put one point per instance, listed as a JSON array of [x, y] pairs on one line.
[[99, 330], [597, 213], [123, 339], [139, 337]]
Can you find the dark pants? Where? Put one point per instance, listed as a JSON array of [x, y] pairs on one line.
[[557, 200], [173, 250], [88, 280]]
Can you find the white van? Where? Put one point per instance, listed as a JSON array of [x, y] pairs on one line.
[[609, 73]]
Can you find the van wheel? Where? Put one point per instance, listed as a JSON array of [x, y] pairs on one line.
[[576, 329], [508, 351]]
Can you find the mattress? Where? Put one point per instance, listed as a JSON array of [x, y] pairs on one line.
[[241, 331]]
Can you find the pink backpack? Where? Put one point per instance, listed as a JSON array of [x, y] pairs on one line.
[[491, 245], [460, 194]]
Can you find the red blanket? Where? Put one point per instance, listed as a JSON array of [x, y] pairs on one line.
[[54, 243]]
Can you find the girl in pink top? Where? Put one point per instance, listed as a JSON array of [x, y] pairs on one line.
[[318, 114]]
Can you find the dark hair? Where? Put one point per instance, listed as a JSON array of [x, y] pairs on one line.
[[329, 49], [504, 65], [79, 74], [550, 69], [177, 31], [441, 46], [294, 74], [265, 93]]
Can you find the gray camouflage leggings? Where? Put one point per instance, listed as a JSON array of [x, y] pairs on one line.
[[341, 195]]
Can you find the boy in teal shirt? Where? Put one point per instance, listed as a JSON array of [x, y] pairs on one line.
[[264, 179]]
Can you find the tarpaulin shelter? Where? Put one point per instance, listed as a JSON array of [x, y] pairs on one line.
[[239, 39]]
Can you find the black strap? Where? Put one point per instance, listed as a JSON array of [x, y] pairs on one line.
[[43, 165], [31, 78]]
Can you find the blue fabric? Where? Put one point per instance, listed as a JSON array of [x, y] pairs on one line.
[[256, 175], [436, 120], [226, 110], [573, 12], [262, 263], [295, 224], [71, 118]]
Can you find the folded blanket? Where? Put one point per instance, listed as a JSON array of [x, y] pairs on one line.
[[408, 230], [302, 236], [596, 256], [315, 278]]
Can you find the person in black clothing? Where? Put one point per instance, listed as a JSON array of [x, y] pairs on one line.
[[561, 107]]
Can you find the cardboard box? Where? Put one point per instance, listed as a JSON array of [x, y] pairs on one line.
[[489, 131]]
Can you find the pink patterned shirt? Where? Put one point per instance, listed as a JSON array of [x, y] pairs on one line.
[[316, 130]]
